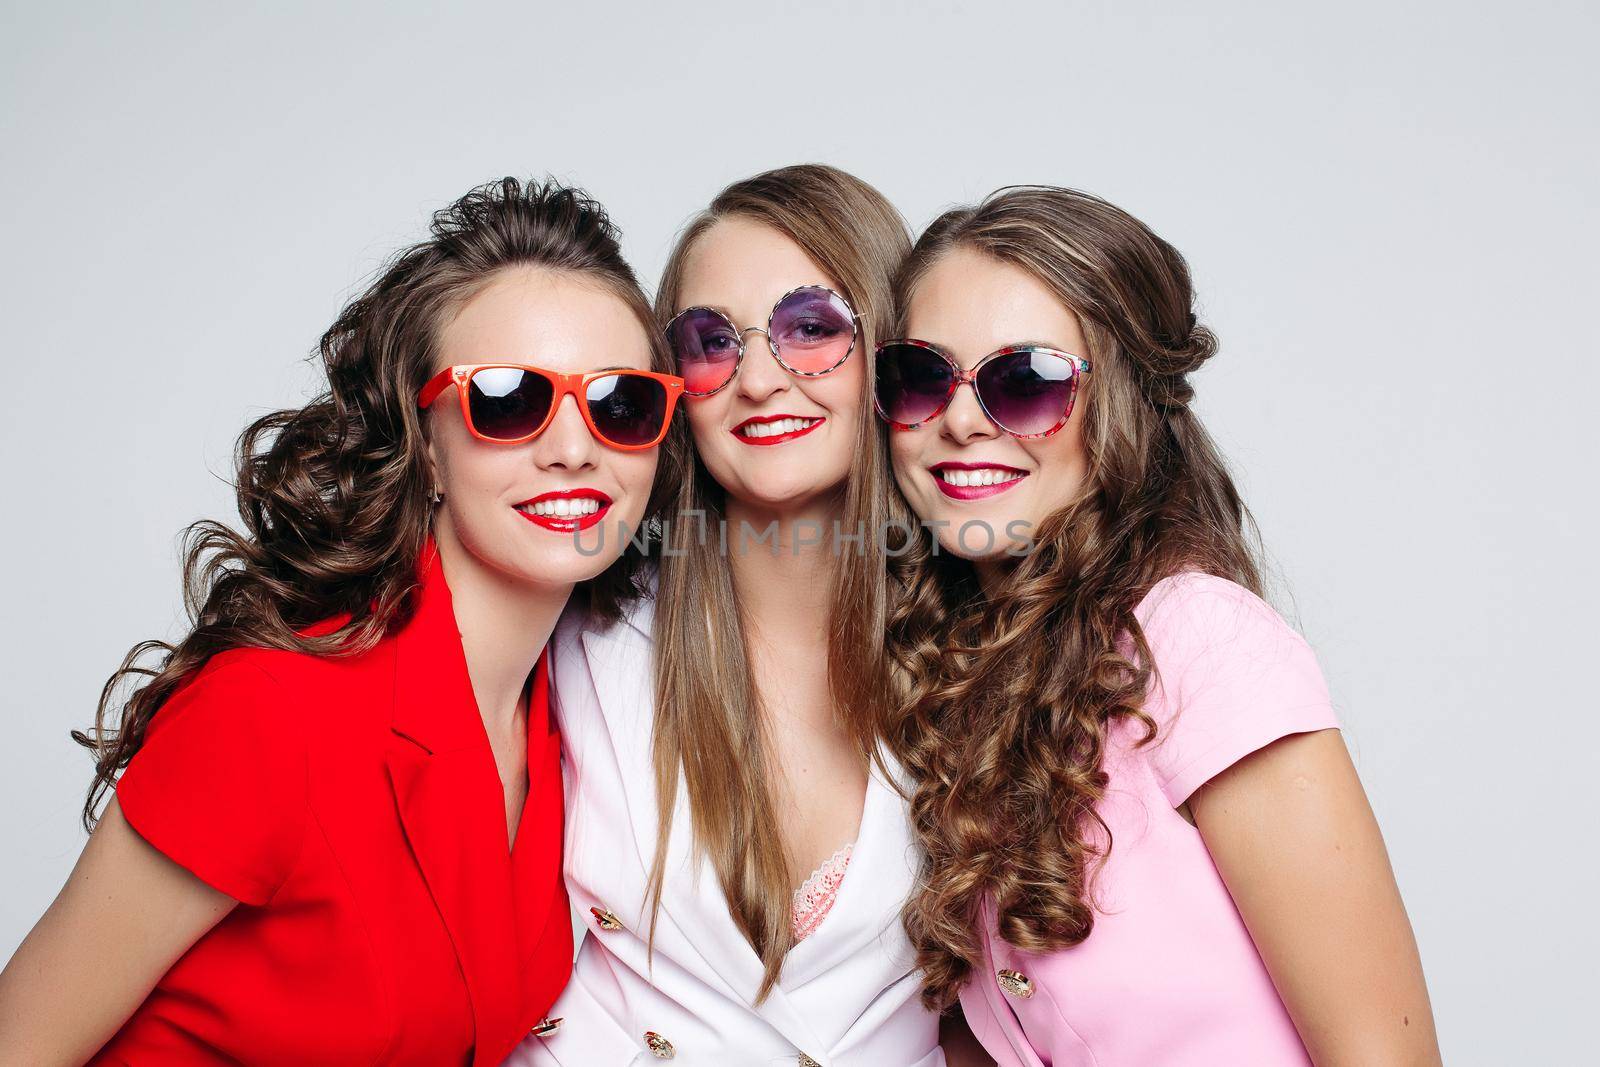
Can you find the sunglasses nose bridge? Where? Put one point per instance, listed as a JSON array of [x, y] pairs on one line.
[[772, 346], [567, 440]]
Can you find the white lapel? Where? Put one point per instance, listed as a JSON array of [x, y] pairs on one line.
[[882, 870], [710, 944]]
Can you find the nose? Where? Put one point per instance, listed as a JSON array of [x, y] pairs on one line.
[[761, 377], [964, 421], [566, 443]]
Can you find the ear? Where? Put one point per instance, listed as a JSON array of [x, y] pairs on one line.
[[437, 490]]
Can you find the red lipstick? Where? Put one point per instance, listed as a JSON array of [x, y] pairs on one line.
[[777, 438], [577, 516]]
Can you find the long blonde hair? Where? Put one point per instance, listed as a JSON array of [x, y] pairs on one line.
[[709, 723]]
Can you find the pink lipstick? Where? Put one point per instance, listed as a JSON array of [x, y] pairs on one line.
[[974, 481]]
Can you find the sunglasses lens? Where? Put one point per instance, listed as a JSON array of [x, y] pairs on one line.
[[507, 404], [706, 348], [627, 409], [913, 383], [1027, 392], [814, 330]]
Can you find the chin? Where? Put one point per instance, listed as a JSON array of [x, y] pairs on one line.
[[567, 567], [777, 495], [976, 544]]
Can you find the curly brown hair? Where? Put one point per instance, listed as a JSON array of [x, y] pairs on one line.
[[1011, 692], [335, 496]]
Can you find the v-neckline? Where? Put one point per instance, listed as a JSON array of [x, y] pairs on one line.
[[536, 730]]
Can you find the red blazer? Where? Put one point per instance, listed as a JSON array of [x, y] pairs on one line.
[[353, 808]]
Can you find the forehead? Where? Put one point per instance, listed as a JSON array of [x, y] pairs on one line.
[[972, 304], [742, 267], [553, 319]]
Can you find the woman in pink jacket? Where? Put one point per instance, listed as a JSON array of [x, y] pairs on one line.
[[1146, 843]]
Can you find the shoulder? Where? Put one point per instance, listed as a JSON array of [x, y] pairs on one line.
[[272, 670], [1191, 592], [598, 662], [240, 696], [286, 687], [301, 669], [1229, 677], [1192, 612], [578, 624]]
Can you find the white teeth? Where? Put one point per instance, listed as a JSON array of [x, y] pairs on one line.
[[982, 476], [562, 508], [773, 429]]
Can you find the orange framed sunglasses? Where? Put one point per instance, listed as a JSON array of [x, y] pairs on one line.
[[509, 403]]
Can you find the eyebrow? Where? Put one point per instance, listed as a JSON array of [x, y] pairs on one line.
[[1009, 344], [720, 309], [727, 312]]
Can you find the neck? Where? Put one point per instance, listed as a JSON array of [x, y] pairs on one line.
[[786, 579], [991, 573], [784, 589], [504, 624]]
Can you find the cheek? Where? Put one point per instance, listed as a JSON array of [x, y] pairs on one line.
[[843, 390], [635, 474], [1062, 462], [841, 399], [845, 406], [905, 447], [468, 467], [706, 417]]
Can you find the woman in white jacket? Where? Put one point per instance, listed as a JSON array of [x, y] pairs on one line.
[[754, 919]]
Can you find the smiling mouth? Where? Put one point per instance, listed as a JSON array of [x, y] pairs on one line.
[[972, 481], [567, 510], [775, 429]]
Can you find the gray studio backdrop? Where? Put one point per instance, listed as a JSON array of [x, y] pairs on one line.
[[1388, 207]]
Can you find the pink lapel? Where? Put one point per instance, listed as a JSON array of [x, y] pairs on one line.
[[989, 1014]]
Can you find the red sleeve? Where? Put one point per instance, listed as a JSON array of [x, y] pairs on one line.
[[1231, 677], [219, 785]]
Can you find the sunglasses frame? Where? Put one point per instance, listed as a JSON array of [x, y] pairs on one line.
[[576, 385], [1079, 365], [772, 346]]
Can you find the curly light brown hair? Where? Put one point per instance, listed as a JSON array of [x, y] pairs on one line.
[[335, 496], [1011, 692]]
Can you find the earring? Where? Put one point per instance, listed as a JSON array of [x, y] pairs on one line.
[[437, 496]]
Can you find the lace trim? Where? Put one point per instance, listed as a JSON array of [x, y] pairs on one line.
[[815, 897]]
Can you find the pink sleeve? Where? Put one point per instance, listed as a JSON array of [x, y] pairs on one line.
[[1231, 677]]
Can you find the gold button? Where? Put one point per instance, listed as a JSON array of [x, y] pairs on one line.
[[659, 1046], [545, 1027], [605, 920], [807, 1061], [1016, 983]]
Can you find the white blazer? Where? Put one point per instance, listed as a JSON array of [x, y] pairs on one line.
[[847, 996]]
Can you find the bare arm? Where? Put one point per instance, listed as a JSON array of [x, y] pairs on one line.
[[124, 917], [1296, 842]]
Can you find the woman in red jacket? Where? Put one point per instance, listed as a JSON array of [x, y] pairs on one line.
[[337, 838]]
